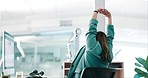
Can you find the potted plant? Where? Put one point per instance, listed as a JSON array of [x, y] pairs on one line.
[[142, 68]]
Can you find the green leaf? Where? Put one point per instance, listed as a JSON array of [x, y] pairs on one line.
[[137, 64], [143, 62], [137, 76], [147, 61], [142, 73]]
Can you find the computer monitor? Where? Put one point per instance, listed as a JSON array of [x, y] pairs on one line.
[[8, 53]]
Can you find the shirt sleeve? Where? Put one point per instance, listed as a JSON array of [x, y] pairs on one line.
[[91, 42], [110, 37], [91, 34]]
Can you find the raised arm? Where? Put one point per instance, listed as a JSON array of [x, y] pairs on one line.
[[92, 31], [110, 29]]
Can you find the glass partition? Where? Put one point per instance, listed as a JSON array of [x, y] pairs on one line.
[[43, 52]]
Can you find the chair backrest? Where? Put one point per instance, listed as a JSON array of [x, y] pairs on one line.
[[96, 72], [75, 62]]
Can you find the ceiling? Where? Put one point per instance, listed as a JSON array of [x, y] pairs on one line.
[[19, 9]]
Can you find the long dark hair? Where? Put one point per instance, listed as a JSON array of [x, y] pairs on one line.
[[102, 38]]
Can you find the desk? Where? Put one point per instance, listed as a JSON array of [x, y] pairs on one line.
[[119, 66]]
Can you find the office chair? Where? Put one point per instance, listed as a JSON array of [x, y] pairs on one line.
[[96, 72]]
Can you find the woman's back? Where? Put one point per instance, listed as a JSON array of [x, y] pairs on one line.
[[98, 51]]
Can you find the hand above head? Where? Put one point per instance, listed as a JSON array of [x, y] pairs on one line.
[[104, 12]]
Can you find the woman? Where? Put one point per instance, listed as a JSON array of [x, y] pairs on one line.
[[98, 50], [99, 46]]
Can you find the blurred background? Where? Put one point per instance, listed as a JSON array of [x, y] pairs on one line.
[[42, 28]]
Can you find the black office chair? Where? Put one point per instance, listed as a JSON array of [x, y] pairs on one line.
[[95, 72]]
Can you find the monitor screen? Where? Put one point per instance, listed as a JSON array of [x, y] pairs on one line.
[[8, 53]]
